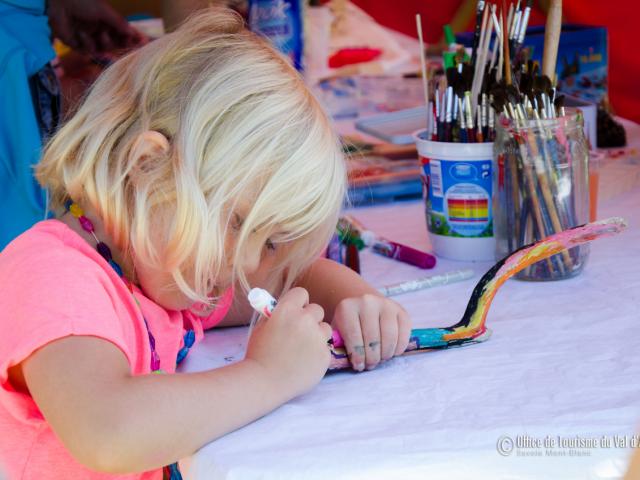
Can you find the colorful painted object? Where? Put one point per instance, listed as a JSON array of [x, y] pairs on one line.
[[471, 328]]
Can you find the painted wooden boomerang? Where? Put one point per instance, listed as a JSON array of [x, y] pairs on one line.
[[471, 328]]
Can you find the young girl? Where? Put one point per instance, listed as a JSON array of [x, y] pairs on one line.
[[198, 166]]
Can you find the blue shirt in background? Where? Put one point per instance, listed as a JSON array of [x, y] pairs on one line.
[[25, 48]]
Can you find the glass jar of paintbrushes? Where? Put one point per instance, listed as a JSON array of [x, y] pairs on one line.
[[541, 187]]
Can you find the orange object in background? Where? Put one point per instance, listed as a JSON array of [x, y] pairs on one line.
[[595, 159], [594, 180]]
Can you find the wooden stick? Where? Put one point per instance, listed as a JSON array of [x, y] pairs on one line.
[[527, 169], [552, 38], [423, 66], [530, 185], [509, 16], [515, 194], [501, 59], [481, 59], [505, 40], [496, 26], [546, 194]]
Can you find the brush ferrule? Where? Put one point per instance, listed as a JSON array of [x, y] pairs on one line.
[[513, 33], [484, 110], [449, 108], [469, 111], [523, 26]]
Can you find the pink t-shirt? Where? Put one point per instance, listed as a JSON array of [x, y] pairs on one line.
[[53, 284]]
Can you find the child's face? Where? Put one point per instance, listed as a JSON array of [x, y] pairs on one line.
[[161, 288]]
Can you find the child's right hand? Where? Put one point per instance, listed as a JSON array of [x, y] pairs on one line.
[[292, 345]]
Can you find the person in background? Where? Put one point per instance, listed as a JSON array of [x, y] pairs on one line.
[[175, 12], [633, 473], [31, 113]]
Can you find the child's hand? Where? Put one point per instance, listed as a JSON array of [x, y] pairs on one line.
[[292, 344], [373, 328]]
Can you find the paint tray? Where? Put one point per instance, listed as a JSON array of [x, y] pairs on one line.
[[395, 127], [375, 180]]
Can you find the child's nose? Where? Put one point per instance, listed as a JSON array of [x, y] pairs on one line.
[[252, 261]]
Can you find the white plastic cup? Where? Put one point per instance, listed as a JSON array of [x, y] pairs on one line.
[[457, 181]]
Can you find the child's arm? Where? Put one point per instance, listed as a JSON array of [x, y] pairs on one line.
[[373, 327], [114, 422]]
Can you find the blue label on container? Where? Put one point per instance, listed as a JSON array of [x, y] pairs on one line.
[[458, 197], [281, 22]]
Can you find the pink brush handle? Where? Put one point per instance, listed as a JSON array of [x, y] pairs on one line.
[[336, 339], [403, 253]]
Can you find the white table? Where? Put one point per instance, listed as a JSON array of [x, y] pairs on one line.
[[563, 360]]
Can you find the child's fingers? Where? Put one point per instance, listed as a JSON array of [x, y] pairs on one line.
[[315, 310], [326, 330], [370, 325], [297, 296], [404, 332], [347, 322], [388, 333]]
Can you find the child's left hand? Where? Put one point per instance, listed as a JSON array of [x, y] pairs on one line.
[[373, 328]]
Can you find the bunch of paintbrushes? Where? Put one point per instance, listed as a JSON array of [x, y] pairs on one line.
[[462, 107], [542, 160], [542, 156], [456, 117]]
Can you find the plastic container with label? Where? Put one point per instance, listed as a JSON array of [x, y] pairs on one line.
[[458, 198], [281, 21]]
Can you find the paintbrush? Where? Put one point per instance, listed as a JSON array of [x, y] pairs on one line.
[[451, 74], [507, 101], [496, 43], [478, 66], [540, 170], [423, 67], [505, 41], [552, 38], [437, 127], [519, 39], [513, 27], [480, 6], [530, 185], [500, 69], [509, 16], [461, 123]]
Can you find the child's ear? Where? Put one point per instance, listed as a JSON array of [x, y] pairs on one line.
[[150, 144]]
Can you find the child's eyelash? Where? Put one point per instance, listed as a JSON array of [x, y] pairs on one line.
[[237, 222], [237, 225]]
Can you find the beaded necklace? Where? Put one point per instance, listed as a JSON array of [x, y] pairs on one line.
[[170, 472]]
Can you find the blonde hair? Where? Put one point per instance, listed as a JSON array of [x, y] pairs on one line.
[[242, 126]]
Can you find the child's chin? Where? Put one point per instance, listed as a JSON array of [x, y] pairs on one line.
[[218, 290], [201, 309]]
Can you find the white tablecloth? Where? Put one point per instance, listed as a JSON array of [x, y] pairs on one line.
[[563, 361]]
